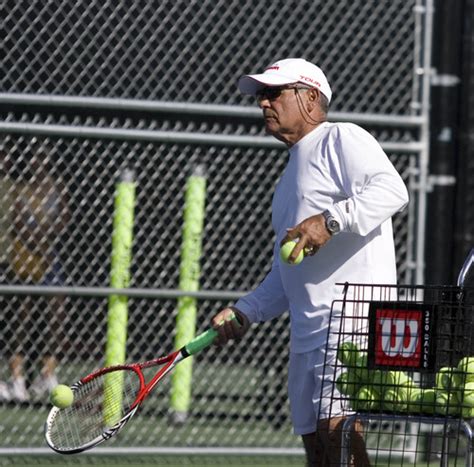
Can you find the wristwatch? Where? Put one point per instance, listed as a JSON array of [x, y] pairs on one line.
[[332, 225]]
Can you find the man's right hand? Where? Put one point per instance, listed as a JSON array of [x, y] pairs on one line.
[[230, 324]]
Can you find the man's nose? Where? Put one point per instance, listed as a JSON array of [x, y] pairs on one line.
[[263, 102]]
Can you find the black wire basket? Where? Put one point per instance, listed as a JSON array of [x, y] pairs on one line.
[[402, 360]]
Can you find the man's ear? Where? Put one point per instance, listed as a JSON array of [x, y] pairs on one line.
[[313, 98]]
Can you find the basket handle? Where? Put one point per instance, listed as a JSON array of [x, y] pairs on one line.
[[465, 268]]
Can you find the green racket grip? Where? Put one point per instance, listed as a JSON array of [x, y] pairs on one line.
[[201, 342], [204, 340]]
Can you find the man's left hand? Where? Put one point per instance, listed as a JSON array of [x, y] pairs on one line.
[[311, 234]]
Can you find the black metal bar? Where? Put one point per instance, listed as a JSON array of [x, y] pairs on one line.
[[444, 120], [464, 212]]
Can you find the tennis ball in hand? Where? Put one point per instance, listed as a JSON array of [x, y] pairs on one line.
[[61, 396], [287, 249]]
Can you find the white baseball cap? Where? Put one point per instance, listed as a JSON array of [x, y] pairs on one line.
[[287, 71]]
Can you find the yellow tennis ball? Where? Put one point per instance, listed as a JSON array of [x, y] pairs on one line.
[[347, 383], [447, 403], [467, 395], [446, 379], [348, 354], [366, 399], [361, 370], [427, 401], [286, 250], [61, 396], [395, 399], [414, 400], [466, 367]]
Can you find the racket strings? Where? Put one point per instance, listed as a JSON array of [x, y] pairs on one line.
[[98, 405]]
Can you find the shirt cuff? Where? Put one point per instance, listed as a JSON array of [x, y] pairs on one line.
[[245, 309]]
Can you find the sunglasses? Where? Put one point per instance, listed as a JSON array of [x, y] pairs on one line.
[[274, 92]]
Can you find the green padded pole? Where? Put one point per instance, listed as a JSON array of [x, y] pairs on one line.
[[194, 211], [122, 239]]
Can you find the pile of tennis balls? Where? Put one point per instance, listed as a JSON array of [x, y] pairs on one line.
[[396, 391]]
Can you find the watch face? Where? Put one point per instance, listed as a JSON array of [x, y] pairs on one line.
[[333, 226]]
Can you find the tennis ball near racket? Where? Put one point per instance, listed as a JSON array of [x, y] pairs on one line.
[[61, 396], [287, 249]]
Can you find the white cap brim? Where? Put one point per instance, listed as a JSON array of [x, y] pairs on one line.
[[285, 72], [250, 84]]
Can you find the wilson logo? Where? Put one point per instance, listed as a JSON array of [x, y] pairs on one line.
[[400, 337]]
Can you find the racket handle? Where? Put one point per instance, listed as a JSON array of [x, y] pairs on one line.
[[204, 340], [201, 342]]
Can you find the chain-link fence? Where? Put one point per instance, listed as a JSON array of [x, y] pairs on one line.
[[192, 51], [63, 153]]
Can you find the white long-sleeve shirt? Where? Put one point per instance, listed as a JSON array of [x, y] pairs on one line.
[[342, 168]]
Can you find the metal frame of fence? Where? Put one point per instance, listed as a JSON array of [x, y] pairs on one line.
[[418, 122]]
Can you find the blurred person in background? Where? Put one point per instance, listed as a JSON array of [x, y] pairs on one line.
[[336, 198], [6, 190], [37, 214]]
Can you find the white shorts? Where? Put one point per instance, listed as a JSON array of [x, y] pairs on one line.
[[306, 377]]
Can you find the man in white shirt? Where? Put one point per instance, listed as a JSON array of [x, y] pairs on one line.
[[336, 197]]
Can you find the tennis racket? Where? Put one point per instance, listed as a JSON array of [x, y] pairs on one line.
[[106, 400]]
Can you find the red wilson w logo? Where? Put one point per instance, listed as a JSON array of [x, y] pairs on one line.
[[398, 337]]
